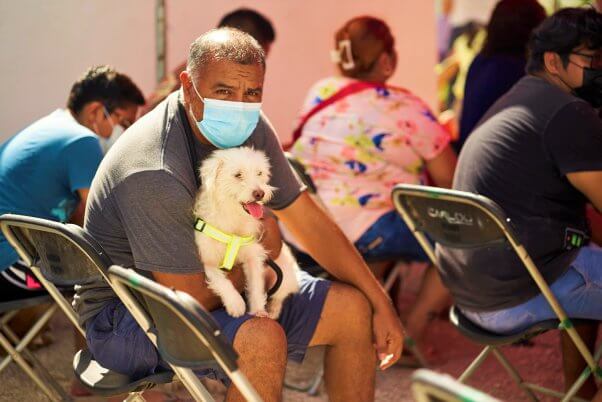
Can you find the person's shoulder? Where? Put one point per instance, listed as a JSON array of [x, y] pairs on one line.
[[326, 87], [582, 115]]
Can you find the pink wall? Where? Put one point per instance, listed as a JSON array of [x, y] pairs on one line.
[[46, 45], [305, 31]]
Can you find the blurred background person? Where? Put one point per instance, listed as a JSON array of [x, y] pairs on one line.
[[358, 137], [245, 19], [46, 170], [501, 62]]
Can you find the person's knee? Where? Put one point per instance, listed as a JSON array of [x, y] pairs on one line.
[[355, 309], [261, 337]]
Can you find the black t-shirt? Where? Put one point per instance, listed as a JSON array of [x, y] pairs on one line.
[[519, 156]]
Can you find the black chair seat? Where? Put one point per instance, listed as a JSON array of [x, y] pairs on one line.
[[24, 303], [104, 382], [485, 337]]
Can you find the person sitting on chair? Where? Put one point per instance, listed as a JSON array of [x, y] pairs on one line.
[[140, 211], [538, 153], [47, 168], [359, 136]]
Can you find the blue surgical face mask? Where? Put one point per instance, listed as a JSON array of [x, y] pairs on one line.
[[227, 124]]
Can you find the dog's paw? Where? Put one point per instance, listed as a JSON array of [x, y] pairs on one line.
[[236, 308], [261, 314], [274, 310]]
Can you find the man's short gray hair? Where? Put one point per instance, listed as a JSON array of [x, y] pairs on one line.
[[226, 43]]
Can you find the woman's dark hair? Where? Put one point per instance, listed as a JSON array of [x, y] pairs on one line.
[[104, 84], [510, 26], [561, 33], [251, 22], [369, 38]]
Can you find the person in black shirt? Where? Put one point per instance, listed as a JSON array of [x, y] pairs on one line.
[[538, 153]]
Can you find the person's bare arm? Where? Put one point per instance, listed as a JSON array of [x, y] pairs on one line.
[[442, 167], [327, 244], [590, 184], [195, 285], [77, 217]]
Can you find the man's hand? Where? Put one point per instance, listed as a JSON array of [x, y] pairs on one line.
[[388, 336]]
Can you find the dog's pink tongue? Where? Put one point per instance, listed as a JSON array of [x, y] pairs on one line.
[[255, 209]]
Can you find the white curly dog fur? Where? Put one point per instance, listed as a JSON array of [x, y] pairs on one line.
[[235, 185]]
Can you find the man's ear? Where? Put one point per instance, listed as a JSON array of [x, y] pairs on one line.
[[186, 85], [552, 62]]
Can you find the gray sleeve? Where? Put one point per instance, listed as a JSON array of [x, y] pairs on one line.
[[156, 212], [283, 178]]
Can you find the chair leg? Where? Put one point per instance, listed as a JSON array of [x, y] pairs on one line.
[[20, 348], [391, 278], [193, 384], [577, 384], [476, 363], [51, 393], [514, 374], [31, 334], [135, 397], [317, 381]]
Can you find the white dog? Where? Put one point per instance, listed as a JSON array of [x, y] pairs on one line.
[[228, 209]]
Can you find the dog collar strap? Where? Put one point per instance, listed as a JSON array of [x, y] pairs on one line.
[[233, 242]]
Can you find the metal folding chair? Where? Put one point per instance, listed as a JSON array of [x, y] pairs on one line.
[[61, 255], [313, 268], [457, 219], [430, 386], [186, 335]]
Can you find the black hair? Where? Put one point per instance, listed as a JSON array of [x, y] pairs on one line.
[[510, 26], [251, 22], [105, 85], [561, 33]]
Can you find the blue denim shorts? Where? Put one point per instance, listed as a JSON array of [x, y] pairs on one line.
[[118, 343], [578, 290], [389, 238]]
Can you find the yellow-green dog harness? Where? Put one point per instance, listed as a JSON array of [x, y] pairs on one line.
[[233, 243]]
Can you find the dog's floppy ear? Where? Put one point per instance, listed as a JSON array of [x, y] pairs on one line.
[[209, 171]]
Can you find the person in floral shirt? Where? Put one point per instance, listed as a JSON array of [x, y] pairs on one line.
[[358, 137]]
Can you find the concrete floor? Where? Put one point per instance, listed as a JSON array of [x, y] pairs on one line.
[[450, 353]]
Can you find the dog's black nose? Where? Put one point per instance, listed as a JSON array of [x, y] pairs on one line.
[[258, 194]]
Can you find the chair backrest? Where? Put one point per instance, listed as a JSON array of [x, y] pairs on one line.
[[64, 253], [452, 218], [301, 173], [429, 386], [187, 335]]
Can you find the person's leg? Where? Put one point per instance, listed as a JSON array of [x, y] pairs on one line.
[[345, 327], [432, 298], [579, 292], [572, 361], [390, 237], [261, 346]]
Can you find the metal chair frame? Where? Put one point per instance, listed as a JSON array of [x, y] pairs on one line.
[[188, 311], [496, 214], [76, 236], [430, 386]]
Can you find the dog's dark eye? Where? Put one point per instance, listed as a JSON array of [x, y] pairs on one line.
[[238, 175], [259, 173]]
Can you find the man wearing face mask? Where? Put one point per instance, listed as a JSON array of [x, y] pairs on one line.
[[47, 168], [538, 153], [139, 209]]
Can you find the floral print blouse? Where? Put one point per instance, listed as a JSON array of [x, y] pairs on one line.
[[359, 147]]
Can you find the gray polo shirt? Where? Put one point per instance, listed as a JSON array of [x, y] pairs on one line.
[[140, 203]]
